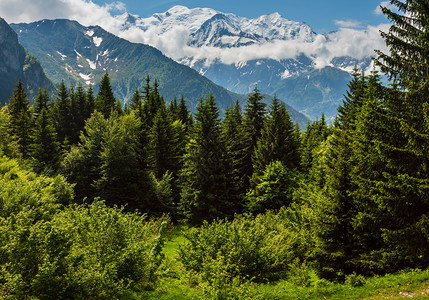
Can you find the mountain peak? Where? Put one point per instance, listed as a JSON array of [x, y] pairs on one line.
[[178, 9]]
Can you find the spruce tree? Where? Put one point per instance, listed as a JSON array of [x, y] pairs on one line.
[[121, 180], [253, 122], [205, 177], [339, 249], [161, 152], [173, 109], [90, 102], [41, 101], [61, 112], [82, 164], [136, 101], [407, 39], [21, 118], [231, 130], [277, 142], [44, 147], [183, 113], [105, 101]]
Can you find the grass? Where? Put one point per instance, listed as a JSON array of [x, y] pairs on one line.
[[177, 283]]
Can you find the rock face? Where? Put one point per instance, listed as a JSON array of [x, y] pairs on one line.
[[15, 63]]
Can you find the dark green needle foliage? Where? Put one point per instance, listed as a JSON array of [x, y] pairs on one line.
[[206, 174]]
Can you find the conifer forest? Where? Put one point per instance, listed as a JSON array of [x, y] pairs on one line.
[[100, 200]]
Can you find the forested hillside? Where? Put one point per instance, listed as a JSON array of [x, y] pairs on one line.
[[252, 199]]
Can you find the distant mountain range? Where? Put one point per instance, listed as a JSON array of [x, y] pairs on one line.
[[74, 53], [15, 63], [281, 56]]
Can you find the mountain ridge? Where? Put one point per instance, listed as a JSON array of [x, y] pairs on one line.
[[75, 53], [15, 63], [239, 53]]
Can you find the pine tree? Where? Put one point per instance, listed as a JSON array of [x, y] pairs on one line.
[[21, 118], [81, 110], [183, 113], [62, 115], [173, 109], [273, 188], [408, 60], [44, 147], [147, 88], [90, 102], [205, 177], [353, 100], [161, 152], [277, 142], [253, 121], [136, 101], [315, 134], [105, 101], [41, 101], [338, 252], [231, 130], [82, 164]]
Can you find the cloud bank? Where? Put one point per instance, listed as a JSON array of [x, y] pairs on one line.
[[356, 43]]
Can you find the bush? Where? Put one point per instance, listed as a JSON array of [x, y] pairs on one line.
[[83, 252], [256, 249], [50, 251]]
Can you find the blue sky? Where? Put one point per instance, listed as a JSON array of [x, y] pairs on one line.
[[321, 15]]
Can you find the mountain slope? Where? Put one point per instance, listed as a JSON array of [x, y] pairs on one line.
[[71, 52], [15, 63], [270, 51], [74, 53]]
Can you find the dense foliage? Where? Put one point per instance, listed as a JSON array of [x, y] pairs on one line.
[[268, 201]]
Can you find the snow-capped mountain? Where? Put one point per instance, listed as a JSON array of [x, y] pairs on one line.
[[270, 51], [73, 53], [208, 27]]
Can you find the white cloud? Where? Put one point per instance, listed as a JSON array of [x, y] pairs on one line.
[[387, 4], [348, 23], [83, 11], [355, 43]]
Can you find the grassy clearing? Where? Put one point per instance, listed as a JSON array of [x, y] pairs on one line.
[[177, 283]]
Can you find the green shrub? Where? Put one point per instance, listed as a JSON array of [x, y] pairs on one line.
[[252, 248], [49, 251]]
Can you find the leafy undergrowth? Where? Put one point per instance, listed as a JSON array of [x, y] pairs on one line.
[[177, 283]]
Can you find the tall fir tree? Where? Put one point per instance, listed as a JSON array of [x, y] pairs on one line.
[[277, 142], [407, 39], [62, 115], [183, 113], [21, 119], [397, 190], [161, 151], [90, 102], [45, 148], [105, 101], [41, 101], [205, 177], [231, 130], [121, 180], [339, 248], [253, 122]]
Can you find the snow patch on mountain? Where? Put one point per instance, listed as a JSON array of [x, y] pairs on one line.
[[97, 41], [63, 57], [92, 64]]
